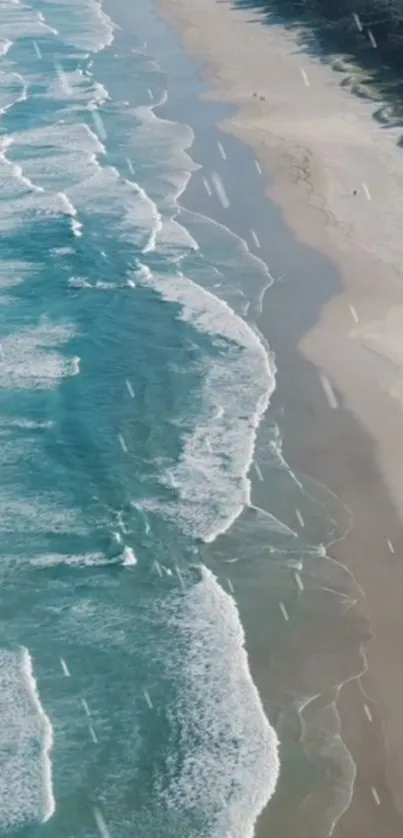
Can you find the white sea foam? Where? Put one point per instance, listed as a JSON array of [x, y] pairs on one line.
[[17, 173], [67, 206], [19, 20], [79, 282], [62, 251], [26, 739], [40, 516], [13, 89], [82, 282], [99, 124], [57, 559], [31, 358], [25, 204], [129, 558], [64, 85], [131, 213], [71, 155], [212, 480], [27, 424], [162, 145], [5, 46], [86, 25], [117, 537], [230, 765], [13, 272], [46, 25], [174, 240], [234, 817], [243, 274], [77, 87], [77, 228], [5, 143]]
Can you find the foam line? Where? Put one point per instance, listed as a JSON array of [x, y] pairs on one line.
[[26, 739], [129, 558], [5, 46], [219, 715], [201, 475]]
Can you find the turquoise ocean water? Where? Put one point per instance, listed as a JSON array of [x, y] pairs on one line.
[[133, 381]]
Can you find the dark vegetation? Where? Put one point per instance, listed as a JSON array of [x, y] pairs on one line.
[[368, 32]]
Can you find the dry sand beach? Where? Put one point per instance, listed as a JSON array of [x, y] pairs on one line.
[[338, 177]]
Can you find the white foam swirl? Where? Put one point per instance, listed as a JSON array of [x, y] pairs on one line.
[[26, 739], [31, 358], [211, 475], [230, 765], [86, 26]]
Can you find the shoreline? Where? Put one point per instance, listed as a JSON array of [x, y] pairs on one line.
[[338, 344]]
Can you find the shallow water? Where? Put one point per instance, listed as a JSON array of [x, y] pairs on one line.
[[133, 381]]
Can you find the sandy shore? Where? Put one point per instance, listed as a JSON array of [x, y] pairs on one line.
[[320, 145]]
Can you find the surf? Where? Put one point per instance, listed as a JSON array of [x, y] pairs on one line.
[[26, 737]]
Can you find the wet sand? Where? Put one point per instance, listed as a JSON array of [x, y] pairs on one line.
[[320, 144]]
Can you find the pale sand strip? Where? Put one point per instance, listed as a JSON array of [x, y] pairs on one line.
[[319, 143]]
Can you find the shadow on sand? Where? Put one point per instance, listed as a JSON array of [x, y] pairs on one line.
[[366, 51]]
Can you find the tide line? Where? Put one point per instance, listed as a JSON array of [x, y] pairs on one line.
[[50, 803]]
